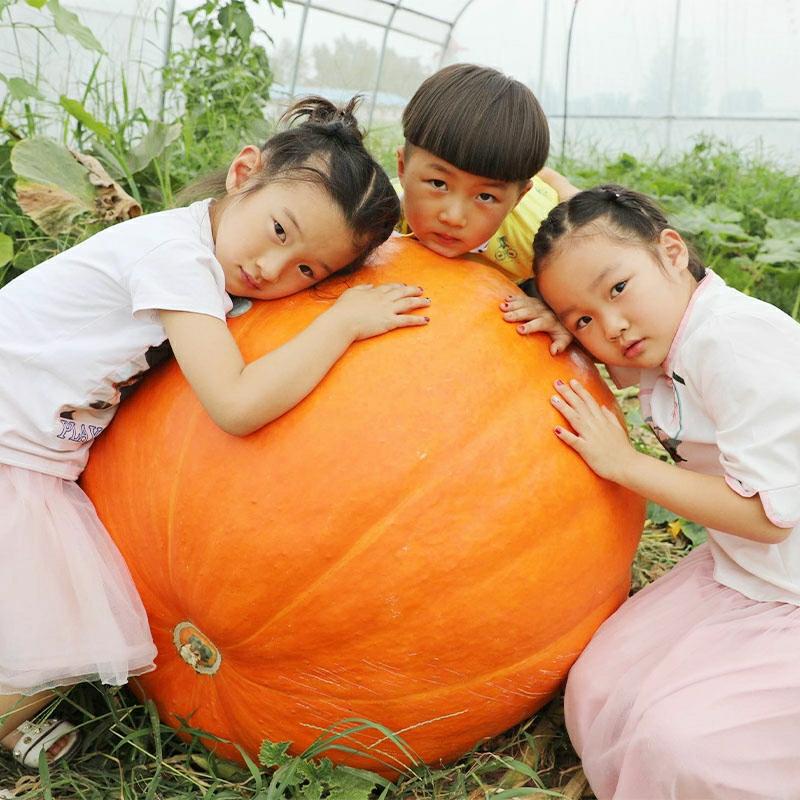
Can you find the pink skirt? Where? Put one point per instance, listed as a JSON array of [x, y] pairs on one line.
[[70, 611], [690, 691]]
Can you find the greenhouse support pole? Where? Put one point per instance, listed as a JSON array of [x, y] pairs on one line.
[[566, 79], [296, 67], [386, 30], [672, 72], [453, 24], [167, 52], [542, 50]]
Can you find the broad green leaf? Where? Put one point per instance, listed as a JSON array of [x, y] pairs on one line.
[[350, 784], [20, 89], [779, 251], [658, 515], [695, 533], [6, 249], [274, 754], [158, 137], [52, 187], [783, 228], [721, 213], [75, 108], [243, 23], [715, 219], [36, 3], [68, 23]]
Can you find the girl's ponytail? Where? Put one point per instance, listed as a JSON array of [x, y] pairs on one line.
[[626, 215], [332, 119]]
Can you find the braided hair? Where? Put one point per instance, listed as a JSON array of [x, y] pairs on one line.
[[625, 215]]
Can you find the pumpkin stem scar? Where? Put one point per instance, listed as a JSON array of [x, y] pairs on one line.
[[196, 649]]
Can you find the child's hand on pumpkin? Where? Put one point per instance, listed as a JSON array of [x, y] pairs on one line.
[[370, 310], [535, 316], [598, 436]]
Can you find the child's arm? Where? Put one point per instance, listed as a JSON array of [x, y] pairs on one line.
[[240, 397], [707, 499], [562, 186], [534, 317]]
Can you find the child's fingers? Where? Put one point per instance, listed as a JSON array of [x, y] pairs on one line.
[[410, 320], [538, 325], [514, 301], [561, 341], [519, 315], [569, 396], [567, 437], [404, 304], [584, 394], [577, 397], [395, 288], [570, 414]]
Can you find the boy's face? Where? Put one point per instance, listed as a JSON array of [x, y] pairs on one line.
[[451, 211]]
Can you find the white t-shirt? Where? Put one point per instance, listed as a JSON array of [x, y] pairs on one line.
[[727, 402], [79, 327]]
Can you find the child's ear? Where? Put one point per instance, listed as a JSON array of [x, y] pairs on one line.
[[243, 167], [401, 160], [675, 249], [524, 188]]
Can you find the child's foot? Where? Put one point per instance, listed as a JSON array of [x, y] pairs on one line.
[[56, 737]]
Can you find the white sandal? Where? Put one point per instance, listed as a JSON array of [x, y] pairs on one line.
[[35, 738]]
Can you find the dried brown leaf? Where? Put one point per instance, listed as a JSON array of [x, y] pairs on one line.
[[112, 202]]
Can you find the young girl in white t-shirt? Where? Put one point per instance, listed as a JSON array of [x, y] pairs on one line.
[[77, 329], [692, 689]]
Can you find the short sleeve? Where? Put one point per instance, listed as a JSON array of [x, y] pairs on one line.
[[747, 373], [179, 275]]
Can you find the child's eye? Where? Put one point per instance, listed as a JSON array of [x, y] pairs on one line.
[[582, 322], [437, 183], [485, 197], [306, 270], [618, 288], [279, 231]]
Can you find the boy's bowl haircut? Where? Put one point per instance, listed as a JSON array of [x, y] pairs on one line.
[[479, 120]]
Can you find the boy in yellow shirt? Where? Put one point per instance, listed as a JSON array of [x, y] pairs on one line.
[[475, 140]]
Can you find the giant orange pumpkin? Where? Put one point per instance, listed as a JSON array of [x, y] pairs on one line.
[[411, 545]]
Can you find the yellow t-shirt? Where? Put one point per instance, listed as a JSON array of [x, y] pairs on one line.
[[510, 249]]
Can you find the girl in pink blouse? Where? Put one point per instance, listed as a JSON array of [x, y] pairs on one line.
[[692, 689]]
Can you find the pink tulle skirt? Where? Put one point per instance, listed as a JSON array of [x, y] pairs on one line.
[[691, 691], [70, 611]]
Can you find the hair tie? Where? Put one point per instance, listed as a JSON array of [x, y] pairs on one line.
[[613, 194], [336, 130]]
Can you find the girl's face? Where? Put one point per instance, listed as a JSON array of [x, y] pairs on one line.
[[280, 238], [622, 302]]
